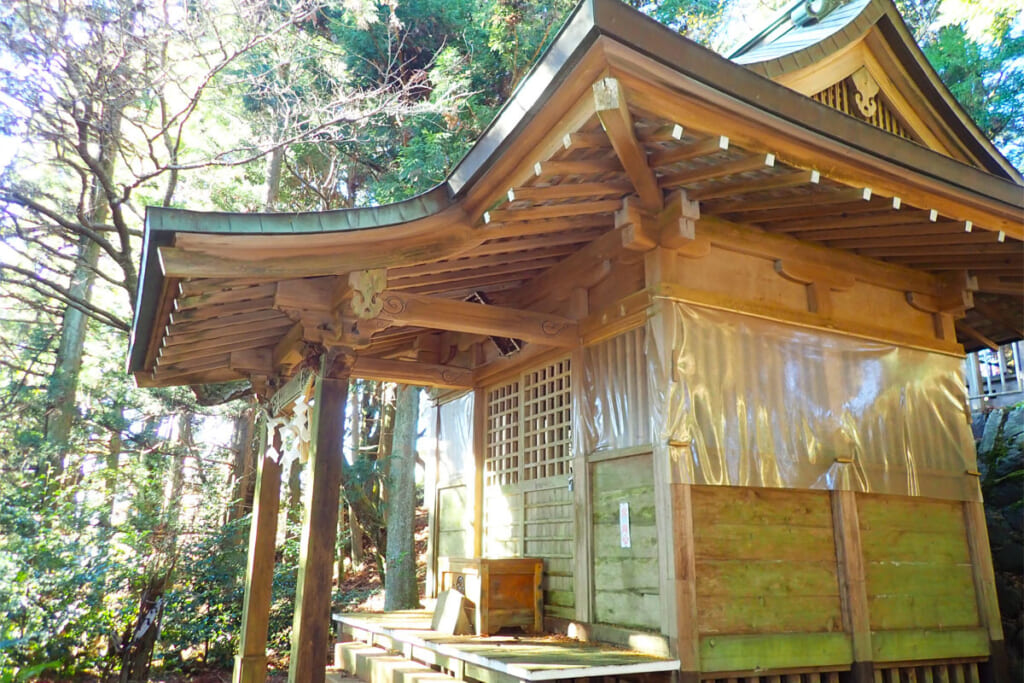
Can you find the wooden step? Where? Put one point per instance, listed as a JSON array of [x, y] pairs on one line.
[[375, 665]]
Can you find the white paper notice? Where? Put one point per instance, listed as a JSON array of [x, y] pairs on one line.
[[624, 525]]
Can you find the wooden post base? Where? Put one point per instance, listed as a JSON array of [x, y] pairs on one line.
[[250, 669], [997, 668], [862, 672]]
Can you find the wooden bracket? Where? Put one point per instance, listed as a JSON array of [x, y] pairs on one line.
[[819, 281], [613, 111], [673, 228]]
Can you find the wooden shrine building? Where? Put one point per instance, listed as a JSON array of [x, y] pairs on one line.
[[733, 425]]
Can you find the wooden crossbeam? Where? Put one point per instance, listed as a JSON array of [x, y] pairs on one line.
[[234, 342], [552, 211], [177, 338], [613, 111], [956, 238], [218, 311], [930, 249], [585, 140], [850, 197], [584, 269], [664, 133], [547, 169], [701, 148], [968, 331], [772, 182], [224, 296], [508, 245], [861, 221], [483, 272], [496, 260], [413, 372], [495, 231], [543, 193], [460, 316], [716, 171], [265, 316], [207, 285], [996, 285], [914, 229], [1015, 324]]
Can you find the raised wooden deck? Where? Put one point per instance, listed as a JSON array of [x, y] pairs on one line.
[[497, 659]]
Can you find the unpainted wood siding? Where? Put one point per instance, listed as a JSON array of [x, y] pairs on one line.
[[766, 561], [917, 563], [625, 579], [548, 534]]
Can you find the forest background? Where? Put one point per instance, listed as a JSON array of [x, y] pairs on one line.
[[114, 499]]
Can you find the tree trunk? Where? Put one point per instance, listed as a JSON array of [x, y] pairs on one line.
[[63, 385], [244, 479], [356, 433], [400, 590]]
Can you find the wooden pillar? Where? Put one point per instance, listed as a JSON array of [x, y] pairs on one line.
[[312, 625], [479, 454], [251, 661], [852, 583], [684, 583], [997, 669]]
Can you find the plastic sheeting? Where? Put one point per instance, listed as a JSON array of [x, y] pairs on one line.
[[455, 440], [613, 407], [748, 402]]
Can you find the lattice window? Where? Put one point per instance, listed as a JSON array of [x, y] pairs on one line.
[[547, 419], [501, 464], [529, 426]]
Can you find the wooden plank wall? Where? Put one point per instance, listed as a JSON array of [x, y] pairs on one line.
[[767, 584], [503, 521], [920, 583], [548, 534], [625, 579]]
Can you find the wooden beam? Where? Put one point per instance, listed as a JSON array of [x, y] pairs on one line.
[[665, 133], [912, 230], [715, 171], [481, 273], [747, 240], [997, 285], [544, 193], [287, 352], [613, 111], [385, 248], [850, 196], [547, 169], [819, 282], [207, 285], [951, 238], [585, 140], [695, 150], [852, 582], [775, 181], [862, 221], [413, 372], [311, 628], [225, 296], [941, 250], [504, 246], [473, 263], [551, 211], [222, 310], [251, 660], [583, 269], [460, 316], [985, 586], [253, 361], [264, 316], [178, 338], [997, 316], [968, 331], [234, 342], [312, 294]]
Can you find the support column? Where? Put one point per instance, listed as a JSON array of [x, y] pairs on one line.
[[311, 628], [997, 669], [852, 583], [251, 661]]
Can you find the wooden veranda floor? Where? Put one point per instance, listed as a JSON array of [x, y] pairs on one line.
[[496, 659]]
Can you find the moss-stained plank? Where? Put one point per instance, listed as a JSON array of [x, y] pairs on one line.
[[890, 612], [746, 542], [753, 652], [904, 645], [754, 579], [628, 608], [769, 614], [758, 506], [910, 514], [894, 578], [946, 547]]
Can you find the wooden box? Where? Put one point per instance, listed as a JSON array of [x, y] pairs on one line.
[[504, 592]]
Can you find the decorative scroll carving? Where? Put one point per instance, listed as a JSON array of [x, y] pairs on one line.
[[392, 304], [867, 89], [367, 287]]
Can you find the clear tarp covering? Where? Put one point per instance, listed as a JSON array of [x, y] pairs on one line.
[[613, 404], [749, 402], [455, 440]]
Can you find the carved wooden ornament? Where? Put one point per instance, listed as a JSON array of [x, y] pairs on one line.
[[867, 89]]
